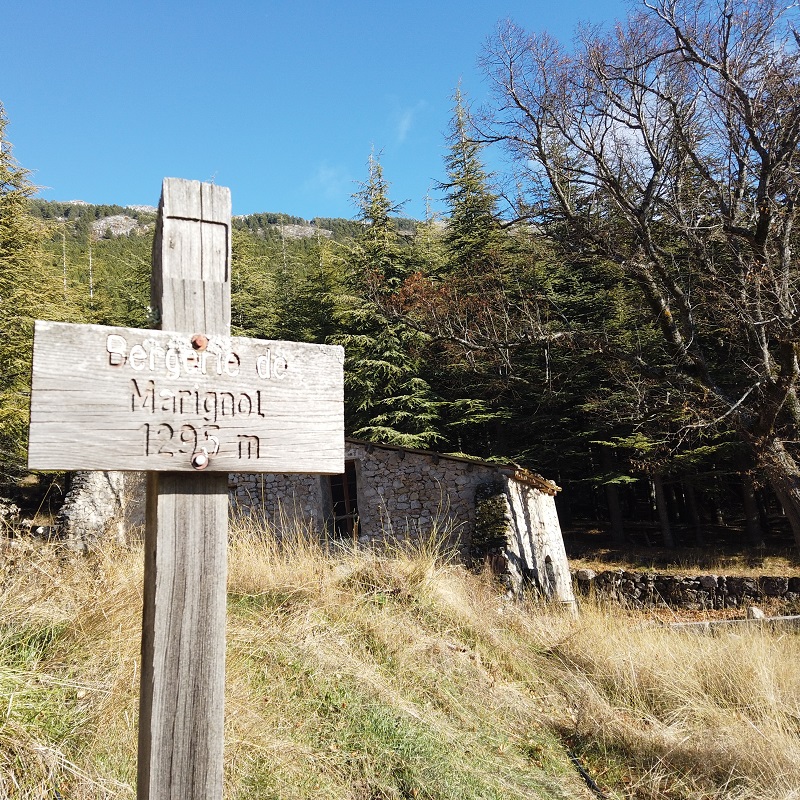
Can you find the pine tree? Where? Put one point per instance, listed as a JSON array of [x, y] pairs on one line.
[[311, 310], [117, 290], [386, 399], [379, 253], [474, 236], [30, 288], [254, 296], [469, 295]]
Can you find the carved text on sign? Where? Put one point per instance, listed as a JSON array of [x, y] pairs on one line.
[[210, 405], [168, 440], [125, 398], [180, 359]]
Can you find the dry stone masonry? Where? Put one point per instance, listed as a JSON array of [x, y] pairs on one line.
[[282, 501], [401, 494], [488, 512], [496, 514], [699, 592]]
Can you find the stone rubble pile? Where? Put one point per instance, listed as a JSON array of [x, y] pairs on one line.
[[9, 512], [12, 525]]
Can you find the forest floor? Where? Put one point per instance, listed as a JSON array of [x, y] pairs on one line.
[[724, 551]]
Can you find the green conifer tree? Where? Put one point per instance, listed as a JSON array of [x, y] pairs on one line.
[[386, 399], [471, 297], [474, 235], [311, 309], [30, 288], [254, 296]]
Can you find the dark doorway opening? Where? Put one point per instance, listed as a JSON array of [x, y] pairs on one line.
[[344, 502]]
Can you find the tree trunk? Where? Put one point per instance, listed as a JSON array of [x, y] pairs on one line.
[[663, 513], [615, 515], [752, 519], [675, 505], [783, 475], [719, 496], [694, 515], [612, 499], [763, 510]]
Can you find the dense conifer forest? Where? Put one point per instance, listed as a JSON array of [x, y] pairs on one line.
[[623, 319]]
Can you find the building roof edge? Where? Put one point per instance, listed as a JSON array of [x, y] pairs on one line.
[[509, 468]]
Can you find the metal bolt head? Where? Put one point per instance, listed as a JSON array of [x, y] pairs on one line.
[[199, 341], [200, 460]]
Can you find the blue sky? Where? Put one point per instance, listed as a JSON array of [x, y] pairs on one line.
[[281, 101]]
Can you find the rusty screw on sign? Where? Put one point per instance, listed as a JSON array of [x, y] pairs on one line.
[[199, 342]]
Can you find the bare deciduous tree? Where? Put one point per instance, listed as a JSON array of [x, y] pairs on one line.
[[671, 146]]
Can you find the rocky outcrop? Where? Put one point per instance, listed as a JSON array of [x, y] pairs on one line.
[[303, 231], [117, 225], [99, 506]]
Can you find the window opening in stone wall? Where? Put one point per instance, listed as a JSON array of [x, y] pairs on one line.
[[344, 501]]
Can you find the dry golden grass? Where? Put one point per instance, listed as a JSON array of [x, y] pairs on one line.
[[371, 676], [69, 651], [668, 713], [361, 675]]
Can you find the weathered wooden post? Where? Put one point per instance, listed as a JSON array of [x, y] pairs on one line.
[[186, 536], [188, 404]]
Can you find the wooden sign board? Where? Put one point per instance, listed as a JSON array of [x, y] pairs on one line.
[[108, 398]]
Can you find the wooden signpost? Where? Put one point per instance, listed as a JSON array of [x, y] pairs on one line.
[[188, 404]]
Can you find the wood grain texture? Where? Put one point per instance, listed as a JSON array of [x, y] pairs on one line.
[[181, 717], [133, 399], [190, 284]]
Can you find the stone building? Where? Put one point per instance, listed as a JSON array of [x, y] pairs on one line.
[[495, 513]]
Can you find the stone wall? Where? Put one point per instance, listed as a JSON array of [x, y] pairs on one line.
[[518, 534], [693, 592], [408, 494], [535, 538], [487, 512], [279, 501], [402, 494]]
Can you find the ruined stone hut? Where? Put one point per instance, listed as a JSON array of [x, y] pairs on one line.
[[496, 513]]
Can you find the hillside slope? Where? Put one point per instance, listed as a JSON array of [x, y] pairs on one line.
[[353, 675]]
